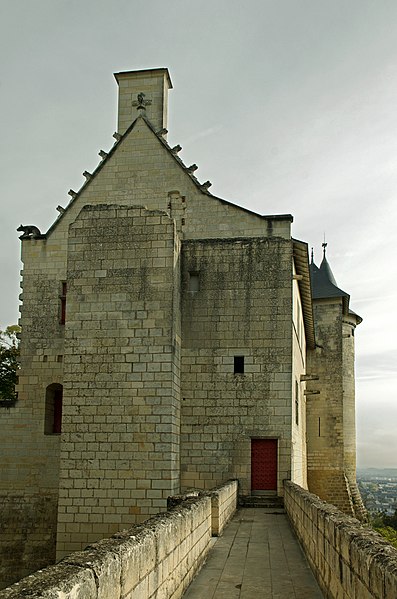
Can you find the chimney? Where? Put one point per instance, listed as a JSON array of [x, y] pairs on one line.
[[154, 84]]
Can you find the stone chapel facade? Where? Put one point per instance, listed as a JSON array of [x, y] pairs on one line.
[[170, 340]]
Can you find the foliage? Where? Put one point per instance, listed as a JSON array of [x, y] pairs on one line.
[[382, 519], [9, 363], [386, 526], [389, 534]]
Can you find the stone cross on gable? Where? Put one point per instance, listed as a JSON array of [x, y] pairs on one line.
[[141, 103]]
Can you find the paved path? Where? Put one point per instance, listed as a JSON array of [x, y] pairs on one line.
[[257, 557]]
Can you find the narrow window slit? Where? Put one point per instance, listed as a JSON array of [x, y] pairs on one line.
[[238, 364]]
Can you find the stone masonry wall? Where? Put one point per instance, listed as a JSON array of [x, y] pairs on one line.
[[154, 84], [138, 171], [349, 561], [325, 411], [27, 534], [30, 454], [223, 506], [298, 408], [156, 559], [120, 438], [241, 307], [159, 558], [349, 415]]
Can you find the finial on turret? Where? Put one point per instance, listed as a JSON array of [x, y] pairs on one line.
[[324, 244], [312, 257]]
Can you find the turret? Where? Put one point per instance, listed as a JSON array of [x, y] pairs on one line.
[[331, 436]]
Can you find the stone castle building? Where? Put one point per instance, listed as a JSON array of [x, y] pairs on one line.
[[170, 340]]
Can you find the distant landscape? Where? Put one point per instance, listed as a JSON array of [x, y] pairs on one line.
[[378, 488]]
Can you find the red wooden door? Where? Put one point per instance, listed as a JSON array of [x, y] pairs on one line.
[[264, 464]]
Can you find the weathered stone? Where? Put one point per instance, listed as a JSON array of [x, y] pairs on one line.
[[357, 562], [174, 330]]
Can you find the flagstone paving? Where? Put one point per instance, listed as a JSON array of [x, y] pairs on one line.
[[257, 557]]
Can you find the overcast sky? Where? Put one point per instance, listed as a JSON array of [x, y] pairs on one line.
[[287, 106]]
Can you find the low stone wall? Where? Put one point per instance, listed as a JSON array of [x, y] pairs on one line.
[[224, 504], [156, 559], [27, 534], [349, 560]]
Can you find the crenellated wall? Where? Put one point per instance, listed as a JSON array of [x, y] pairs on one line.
[[349, 560], [156, 559]]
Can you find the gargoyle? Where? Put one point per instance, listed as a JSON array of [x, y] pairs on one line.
[[30, 232]]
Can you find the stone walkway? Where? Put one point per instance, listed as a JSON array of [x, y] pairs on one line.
[[257, 557]]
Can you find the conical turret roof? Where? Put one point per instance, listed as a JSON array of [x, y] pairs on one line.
[[323, 281]]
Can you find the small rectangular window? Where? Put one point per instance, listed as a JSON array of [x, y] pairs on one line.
[[194, 282], [62, 298], [53, 410], [238, 364], [296, 403]]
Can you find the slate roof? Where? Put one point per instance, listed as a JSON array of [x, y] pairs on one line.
[[323, 281], [324, 286]]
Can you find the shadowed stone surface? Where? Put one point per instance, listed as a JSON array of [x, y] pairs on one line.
[[257, 556]]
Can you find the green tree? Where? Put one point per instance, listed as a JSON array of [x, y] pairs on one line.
[[391, 521], [9, 363], [386, 526], [389, 534]]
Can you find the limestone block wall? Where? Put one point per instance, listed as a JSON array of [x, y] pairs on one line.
[[27, 534], [120, 438], [298, 404], [349, 561], [30, 453], [349, 414], [241, 305], [223, 506], [325, 417], [139, 170], [331, 413], [157, 559], [154, 83]]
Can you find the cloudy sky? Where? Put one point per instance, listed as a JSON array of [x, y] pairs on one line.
[[287, 106]]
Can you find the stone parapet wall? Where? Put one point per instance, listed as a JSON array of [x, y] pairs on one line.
[[223, 504], [156, 559], [349, 560]]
